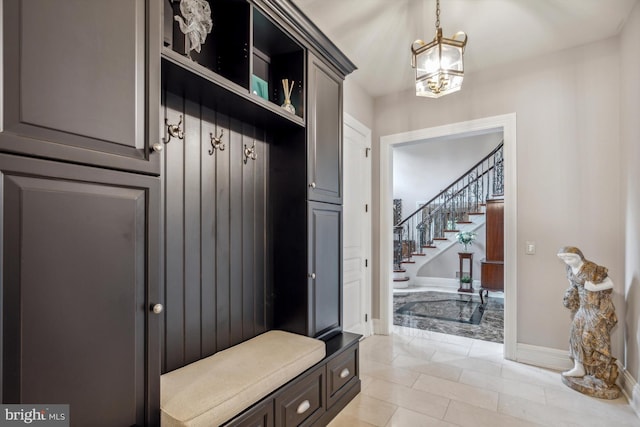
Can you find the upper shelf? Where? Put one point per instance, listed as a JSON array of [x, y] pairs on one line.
[[243, 67], [182, 75]]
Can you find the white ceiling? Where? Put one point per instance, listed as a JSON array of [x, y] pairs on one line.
[[376, 34]]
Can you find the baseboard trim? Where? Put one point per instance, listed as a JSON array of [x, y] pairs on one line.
[[630, 388], [380, 328], [544, 357]]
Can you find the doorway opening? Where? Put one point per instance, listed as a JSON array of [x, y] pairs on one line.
[[441, 191], [505, 124]]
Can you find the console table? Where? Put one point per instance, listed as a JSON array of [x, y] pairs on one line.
[[466, 287]]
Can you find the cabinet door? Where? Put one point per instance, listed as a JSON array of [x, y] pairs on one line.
[[79, 276], [325, 268], [81, 81], [324, 163]]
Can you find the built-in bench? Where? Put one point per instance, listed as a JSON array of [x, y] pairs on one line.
[[277, 378], [213, 390]]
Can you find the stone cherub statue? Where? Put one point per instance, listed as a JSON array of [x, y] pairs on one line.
[[195, 22], [589, 298]]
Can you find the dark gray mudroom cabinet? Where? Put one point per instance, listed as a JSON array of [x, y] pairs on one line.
[[156, 208], [324, 151], [79, 279], [81, 208]]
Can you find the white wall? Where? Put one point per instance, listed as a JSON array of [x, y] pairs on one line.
[[630, 137], [422, 170], [448, 263], [357, 103], [568, 157]]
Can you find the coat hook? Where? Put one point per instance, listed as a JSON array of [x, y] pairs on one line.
[[250, 153], [216, 143], [174, 130]]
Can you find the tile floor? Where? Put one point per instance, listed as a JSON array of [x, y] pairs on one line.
[[417, 378]]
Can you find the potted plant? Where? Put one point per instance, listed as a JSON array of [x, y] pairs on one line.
[[465, 279], [466, 238]]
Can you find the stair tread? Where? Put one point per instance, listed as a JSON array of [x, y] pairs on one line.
[[418, 254], [465, 222], [429, 247], [408, 262], [404, 279], [440, 238], [475, 213], [452, 231]]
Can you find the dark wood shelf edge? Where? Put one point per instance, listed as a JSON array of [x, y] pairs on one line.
[[181, 75]]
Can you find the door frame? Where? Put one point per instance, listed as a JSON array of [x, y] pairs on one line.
[[506, 123], [350, 121]]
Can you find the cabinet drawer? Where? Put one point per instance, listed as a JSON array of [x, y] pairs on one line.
[[261, 415], [303, 402], [340, 371]]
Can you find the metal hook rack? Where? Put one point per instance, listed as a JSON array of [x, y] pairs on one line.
[[216, 142], [250, 152]]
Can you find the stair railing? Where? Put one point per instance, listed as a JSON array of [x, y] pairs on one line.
[[452, 206]]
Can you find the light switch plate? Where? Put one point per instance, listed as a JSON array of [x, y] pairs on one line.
[[530, 248]]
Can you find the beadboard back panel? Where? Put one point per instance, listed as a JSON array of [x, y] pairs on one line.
[[215, 232]]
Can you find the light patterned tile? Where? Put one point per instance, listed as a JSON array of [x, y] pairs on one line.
[[463, 414], [617, 410], [407, 418], [451, 348], [532, 392], [488, 351], [345, 420], [442, 356], [551, 415], [417, 400], [419, 348], [531, 374], [478, 365], [369, 410], [456, 391], [481, 390], [440, 370], [389, 373]]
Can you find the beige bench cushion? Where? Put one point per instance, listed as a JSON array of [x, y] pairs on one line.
[[212, 390]]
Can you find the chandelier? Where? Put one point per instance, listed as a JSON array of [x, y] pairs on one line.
[[439, 64]]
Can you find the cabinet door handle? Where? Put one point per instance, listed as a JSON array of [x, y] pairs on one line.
[[157, 308], [157, 147], [303, 407], [344, 373], [312, 275], [312, 185]]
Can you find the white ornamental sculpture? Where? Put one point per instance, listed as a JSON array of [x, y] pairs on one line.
[[195, 22]]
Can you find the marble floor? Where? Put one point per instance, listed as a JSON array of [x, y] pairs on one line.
[[448, 312], [416, 378]]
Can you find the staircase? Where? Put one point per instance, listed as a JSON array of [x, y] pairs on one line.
[[431, 229]]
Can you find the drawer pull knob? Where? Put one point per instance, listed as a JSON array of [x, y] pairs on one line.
[[303, 407], [345, 373]]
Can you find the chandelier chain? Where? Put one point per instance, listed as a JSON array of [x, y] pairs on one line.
[[437, 14]]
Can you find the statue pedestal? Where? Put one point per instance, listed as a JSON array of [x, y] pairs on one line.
[[591, 386]]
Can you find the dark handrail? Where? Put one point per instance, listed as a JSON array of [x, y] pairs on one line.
[[449, 198], [493, 152]]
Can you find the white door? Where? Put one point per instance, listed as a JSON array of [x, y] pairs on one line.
[[357, 227]]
